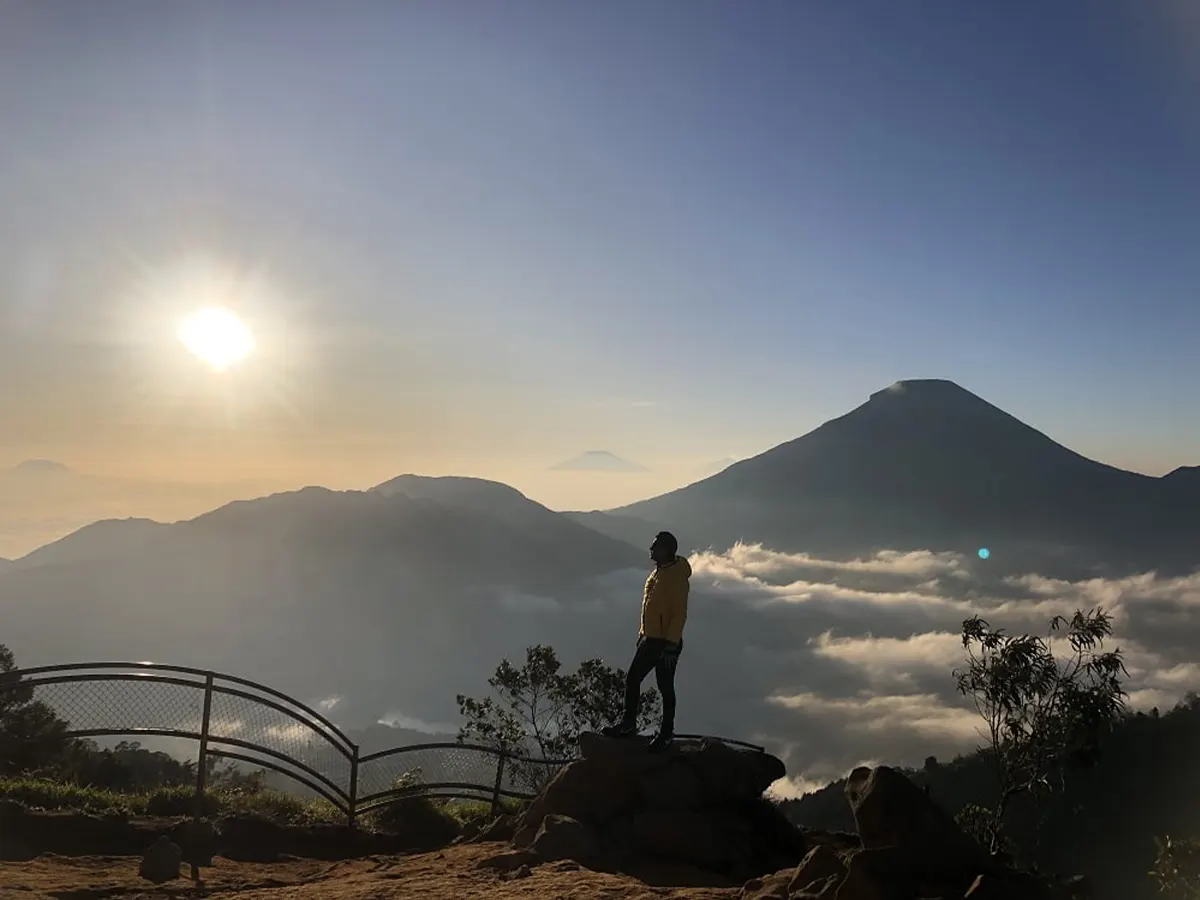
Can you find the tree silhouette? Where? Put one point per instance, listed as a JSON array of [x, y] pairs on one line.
[[32, 735], [1044, 714]]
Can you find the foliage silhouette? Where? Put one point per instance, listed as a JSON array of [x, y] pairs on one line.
[[1045, 715], [537, 710], [31, 733]]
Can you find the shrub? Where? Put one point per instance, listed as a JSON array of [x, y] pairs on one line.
[[1045, 715]]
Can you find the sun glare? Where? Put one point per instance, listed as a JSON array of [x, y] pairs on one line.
[[216, 337]]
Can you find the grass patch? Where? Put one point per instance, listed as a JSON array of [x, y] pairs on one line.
[[44, 793], [478, 812], [276, 806]]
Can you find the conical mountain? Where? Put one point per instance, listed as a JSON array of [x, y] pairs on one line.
[[928, 464]]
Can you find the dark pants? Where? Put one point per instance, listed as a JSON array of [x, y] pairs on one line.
[[661, 656]]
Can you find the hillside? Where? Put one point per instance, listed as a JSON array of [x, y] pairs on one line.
[[403, 597], [927, 464], [1146, 784], [94, 542]]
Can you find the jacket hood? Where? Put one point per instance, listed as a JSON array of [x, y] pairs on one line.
[[682, 568]]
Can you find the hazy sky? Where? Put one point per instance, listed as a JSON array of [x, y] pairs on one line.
[[485, 237]]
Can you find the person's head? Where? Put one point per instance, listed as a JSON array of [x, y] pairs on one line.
[[664, 548]]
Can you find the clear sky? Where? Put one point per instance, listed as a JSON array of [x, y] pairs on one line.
[[485, 237]]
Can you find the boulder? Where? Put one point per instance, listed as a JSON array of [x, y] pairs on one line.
[[907, 847], [715, 840], [816, 871], [699, 806], [502, 828], [892, 812], [197, 838], [563, 838], [161, 861], [768, 887]]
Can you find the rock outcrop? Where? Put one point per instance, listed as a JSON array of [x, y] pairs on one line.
[[909, 848], [161, 861], [698, 806]]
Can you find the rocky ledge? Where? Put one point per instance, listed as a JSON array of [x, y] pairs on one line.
[[699, 812], [620, 808]]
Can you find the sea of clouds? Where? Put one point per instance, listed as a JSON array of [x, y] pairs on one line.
[[834, 663]]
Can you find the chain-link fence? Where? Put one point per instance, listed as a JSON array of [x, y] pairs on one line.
[[238, 719], [467, 770], [230, 717]]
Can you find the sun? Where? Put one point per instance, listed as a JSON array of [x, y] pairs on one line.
[[216, 337]]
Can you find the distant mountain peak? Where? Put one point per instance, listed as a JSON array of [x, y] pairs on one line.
[[441, 487], [925, 388], [42, 467], [599, 461]]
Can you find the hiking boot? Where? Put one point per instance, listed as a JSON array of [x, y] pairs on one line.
[[621, 729], [661, 742]]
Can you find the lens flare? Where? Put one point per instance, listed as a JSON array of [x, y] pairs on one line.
[[984, 552]]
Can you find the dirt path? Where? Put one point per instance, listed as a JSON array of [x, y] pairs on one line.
[[443, 875]]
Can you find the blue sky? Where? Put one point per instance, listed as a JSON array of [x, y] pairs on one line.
[[484, 236]]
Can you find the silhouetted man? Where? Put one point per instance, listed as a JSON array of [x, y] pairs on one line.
[[660, 639]]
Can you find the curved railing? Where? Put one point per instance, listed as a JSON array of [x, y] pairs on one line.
[[242, 720]]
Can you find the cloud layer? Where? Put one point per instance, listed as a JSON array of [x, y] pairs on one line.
[[835, 663]]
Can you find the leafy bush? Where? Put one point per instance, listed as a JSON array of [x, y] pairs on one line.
[[539, 711], [979, 823], [1045, 715], [422, 819], [1177, 868]]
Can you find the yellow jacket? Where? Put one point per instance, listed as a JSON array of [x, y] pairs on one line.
[[664, 604]]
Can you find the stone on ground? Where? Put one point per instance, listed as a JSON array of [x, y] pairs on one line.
[[161, 861]]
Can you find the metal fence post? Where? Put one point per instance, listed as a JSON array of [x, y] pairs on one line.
[[202, 762], [353, 816], [499, 780]]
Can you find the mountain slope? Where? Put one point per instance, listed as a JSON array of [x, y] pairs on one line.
[[411, 592], [94, 542], [927, 464]]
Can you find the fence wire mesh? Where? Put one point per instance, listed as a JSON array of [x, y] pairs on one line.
[[243, 719], [124, 705], [108, 701], [429, 767]]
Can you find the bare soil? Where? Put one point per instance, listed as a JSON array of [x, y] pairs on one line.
[[450, 874]]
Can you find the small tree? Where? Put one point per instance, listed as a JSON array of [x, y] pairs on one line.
[[1044, 715], [32, 736], [1177, 868], [538, 711]]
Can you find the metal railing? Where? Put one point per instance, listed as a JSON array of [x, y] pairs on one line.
[[238, 719]]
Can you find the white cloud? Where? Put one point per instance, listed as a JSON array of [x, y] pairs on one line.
[[412, 723], [893, 660], [923, 714], [855, 658], [759, 562]]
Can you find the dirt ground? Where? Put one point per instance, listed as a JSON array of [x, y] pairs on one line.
[[450, 874]]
